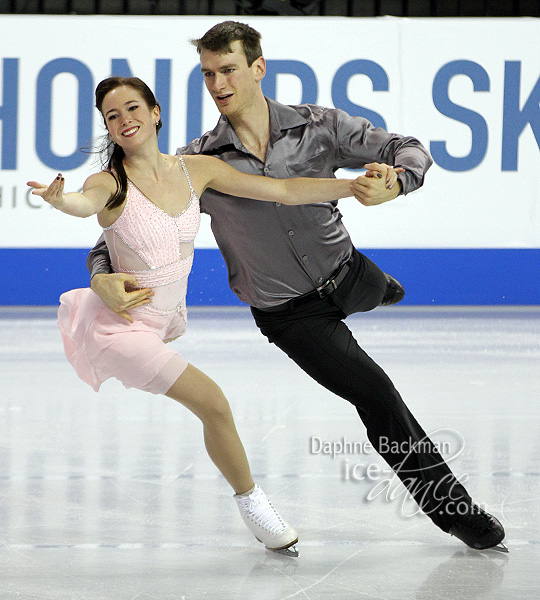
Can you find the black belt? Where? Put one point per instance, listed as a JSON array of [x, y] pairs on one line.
[[321, 292]]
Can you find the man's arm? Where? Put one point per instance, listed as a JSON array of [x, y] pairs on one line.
[[119, 291], [99, 259], [358, 142]]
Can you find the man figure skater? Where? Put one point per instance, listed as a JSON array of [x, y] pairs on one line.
[[296, 266]]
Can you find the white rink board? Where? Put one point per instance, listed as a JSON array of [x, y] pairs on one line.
[[487, 205]]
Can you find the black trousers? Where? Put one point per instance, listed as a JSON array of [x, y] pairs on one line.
[[314, 335]]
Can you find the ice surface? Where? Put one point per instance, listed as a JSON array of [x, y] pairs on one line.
[[112, 496]]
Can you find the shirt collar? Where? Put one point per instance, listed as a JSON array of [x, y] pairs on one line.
[[282, 117]]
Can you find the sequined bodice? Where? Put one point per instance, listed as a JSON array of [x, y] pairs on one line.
[[155, 247]]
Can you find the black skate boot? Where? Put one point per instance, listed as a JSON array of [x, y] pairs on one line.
[[394, 291], [477, 528]]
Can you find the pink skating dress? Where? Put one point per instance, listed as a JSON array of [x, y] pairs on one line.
[[158, 249]]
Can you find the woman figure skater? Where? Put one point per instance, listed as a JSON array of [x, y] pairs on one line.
[[148, 205]]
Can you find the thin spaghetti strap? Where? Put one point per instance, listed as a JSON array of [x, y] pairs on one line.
[[186, 173]]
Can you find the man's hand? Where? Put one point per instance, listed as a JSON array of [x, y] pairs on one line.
[[378, 185], [119, 292]]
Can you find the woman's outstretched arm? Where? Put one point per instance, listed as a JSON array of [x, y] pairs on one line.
[[299, 190], [97, 190]]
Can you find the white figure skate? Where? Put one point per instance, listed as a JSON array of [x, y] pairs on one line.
[[265, 523]]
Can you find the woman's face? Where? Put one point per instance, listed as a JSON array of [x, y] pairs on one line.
[[130, 121]]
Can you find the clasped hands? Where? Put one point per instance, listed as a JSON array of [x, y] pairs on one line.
[[379, 184]]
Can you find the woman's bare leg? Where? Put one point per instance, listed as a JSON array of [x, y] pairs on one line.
[[203, 397]]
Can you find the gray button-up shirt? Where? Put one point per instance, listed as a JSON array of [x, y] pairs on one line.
[[275, 252]]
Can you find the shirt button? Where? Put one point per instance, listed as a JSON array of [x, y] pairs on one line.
[[319, 279], [278, 203], [266, 169], [291, 232], [304, 258]]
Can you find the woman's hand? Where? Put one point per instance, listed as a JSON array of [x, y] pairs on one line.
[[53, 194], [384, 171], [378, 185]]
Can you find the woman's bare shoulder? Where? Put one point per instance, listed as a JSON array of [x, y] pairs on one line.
[[103, 179]]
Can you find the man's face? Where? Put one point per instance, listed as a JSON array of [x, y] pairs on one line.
[[232, 84]]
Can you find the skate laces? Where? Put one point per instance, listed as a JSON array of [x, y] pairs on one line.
[[259, 509]]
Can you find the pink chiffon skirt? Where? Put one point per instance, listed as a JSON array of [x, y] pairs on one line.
[[100, 344]]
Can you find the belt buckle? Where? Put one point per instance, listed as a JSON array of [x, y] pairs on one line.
[[322, 288]]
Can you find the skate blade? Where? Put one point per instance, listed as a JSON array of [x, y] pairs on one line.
[[501, 548], [288, 551], [291, 551]]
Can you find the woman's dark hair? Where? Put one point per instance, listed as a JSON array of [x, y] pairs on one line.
[[112, 154]]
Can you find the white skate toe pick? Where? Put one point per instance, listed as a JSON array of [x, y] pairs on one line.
[[265, 523]]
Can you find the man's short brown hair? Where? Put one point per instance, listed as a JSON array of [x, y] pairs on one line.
[[221, 36]]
